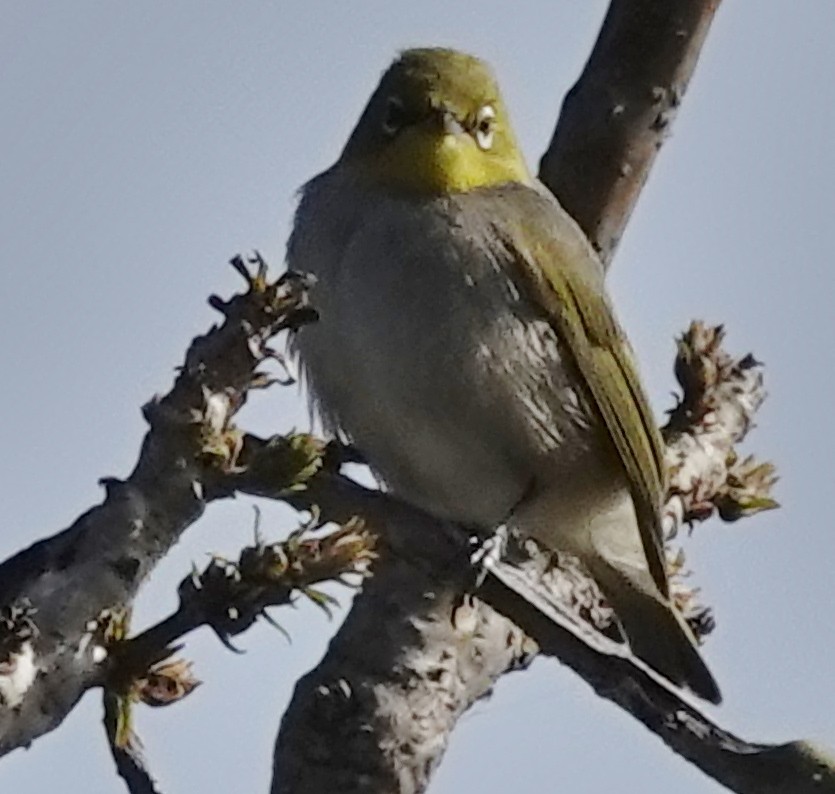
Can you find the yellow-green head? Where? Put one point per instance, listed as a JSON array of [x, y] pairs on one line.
[[436, 124]]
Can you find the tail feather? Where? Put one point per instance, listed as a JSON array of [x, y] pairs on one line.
[[601, 529], [656, 631]]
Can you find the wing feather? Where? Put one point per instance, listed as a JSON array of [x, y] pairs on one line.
[[562, 275]]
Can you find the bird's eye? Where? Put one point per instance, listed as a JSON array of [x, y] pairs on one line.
[[484, 123], [394, 118]]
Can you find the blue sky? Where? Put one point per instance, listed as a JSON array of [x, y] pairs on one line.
[[144, 144]]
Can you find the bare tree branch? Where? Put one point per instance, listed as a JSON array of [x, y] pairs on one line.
[[617, 115], [744, 767], [58, 596], [127, 756], [412, 655], [229, 596]]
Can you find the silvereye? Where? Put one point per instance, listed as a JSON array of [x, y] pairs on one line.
[[467, 347]]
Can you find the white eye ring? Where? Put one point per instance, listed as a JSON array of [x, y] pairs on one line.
[[394, 117], [484, 127]]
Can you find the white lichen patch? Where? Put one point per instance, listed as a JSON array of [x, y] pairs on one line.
[[17, 674]]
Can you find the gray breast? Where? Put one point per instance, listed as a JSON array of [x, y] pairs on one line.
[[428, 357]]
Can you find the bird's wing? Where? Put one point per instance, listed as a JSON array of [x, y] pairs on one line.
[[559, 271]]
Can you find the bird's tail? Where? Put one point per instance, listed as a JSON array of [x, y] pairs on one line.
[[603, 533], [656, 631]]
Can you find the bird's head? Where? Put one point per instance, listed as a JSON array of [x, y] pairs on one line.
[[436, 124]]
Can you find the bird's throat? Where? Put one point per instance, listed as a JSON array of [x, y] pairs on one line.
[[423, 163]]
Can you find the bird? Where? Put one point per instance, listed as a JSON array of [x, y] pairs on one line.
[[467, 347]]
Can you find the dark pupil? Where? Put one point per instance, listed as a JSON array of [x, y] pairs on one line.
[[395, 116]]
